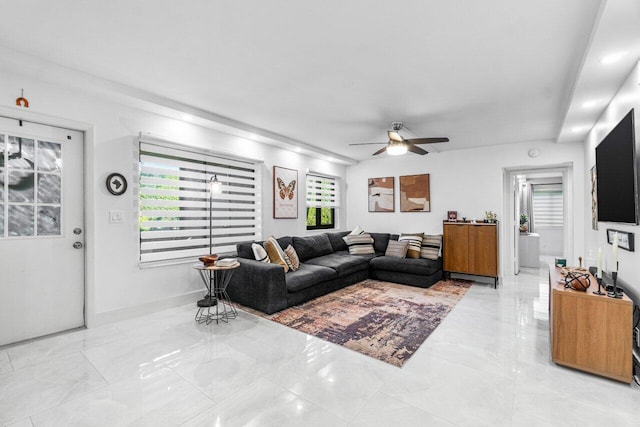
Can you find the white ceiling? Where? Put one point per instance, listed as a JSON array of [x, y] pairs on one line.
[[329, 73]]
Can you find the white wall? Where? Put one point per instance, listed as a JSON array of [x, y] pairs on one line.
[[467, 181], [116, 285], [628, 97]]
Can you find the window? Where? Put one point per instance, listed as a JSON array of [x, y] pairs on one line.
[[322, 201], [174, 203], [548, 206]]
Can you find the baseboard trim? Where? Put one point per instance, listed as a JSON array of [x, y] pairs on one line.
[[143, 309]]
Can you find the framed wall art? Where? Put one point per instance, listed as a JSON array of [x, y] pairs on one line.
[[625, 239], [414, 193], [285, 192], [381, 194]]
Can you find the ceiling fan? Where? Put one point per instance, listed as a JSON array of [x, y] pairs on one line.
[[398, 145]]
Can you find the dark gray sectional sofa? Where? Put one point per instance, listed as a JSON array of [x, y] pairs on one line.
[[325, 266]]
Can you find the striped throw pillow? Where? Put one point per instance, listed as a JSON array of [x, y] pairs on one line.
[[431, 245], [397, 249], [359, 244], [415, 243], [259, 253], [276, 254], [356, 231], [292, 258]]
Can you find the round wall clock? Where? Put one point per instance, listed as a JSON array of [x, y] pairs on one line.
[[116, 184]]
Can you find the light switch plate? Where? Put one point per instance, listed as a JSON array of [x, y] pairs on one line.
[[116, 217]]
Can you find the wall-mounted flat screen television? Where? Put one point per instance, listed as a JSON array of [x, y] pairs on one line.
[[617, 174]]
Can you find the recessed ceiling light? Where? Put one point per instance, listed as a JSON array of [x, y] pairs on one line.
[[298, 150], [614, 57], [589, 104], [187, 117], [578, 129]]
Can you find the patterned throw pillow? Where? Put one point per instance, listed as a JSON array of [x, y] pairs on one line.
[[276, 254], [356, 231], [359, 244], [397, 249], [292, 258], [259, 253], [415, 243], [431, 245]]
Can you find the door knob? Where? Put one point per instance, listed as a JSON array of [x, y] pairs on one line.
[[77, 245]]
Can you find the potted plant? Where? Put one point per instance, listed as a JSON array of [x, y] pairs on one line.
[[523, 222]]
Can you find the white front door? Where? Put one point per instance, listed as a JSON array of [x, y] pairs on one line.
[[41, 220]]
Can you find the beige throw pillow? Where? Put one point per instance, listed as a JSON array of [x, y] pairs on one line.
[[397, 249], [359, 244], [275, 252], [415, 243], [292, 256]]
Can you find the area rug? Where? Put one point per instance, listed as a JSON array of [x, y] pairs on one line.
[[383, 320]]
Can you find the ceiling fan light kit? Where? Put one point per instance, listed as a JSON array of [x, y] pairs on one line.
[[398, 145]]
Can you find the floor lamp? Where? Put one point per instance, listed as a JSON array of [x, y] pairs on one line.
[[215, 187]]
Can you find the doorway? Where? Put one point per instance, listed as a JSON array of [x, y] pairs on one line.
[[538, 202], [42, 290]]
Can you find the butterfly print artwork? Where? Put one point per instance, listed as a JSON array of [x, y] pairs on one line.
[[286, 191]]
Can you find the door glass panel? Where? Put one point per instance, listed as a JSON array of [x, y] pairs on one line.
[[21, 186], [48, 221], [20, 153], [48, 188], [49, 156], [21, 220], [1, 152]]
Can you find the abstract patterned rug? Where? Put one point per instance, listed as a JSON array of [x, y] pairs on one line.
[[383, 320]]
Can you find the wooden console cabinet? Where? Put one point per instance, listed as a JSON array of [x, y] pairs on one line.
[[471, 248], [590, 332]]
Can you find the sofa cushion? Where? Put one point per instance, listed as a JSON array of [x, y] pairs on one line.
[[259, 253], [419, 266], [431, 245], [308, 275], [244, 250], [292, 258], [397, 249], [415, 243], [312, 246], [276, 254], [359, 244], [343, 264], [380, 241], [336, 240], [365, 256]]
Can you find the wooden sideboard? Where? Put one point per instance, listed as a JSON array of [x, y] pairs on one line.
[[471, 248], [590, 332]]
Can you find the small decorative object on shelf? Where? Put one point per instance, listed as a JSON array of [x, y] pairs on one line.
[[452, 215], [209, 260], [490, 217], [524, 219], [577, 281]]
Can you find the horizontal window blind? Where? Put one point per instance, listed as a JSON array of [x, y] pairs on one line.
[[174, 203], [548, 205], [322, 192]]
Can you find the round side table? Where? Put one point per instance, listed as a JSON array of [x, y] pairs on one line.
[[215, 279]]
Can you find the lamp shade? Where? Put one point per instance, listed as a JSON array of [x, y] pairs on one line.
[[396, 149]]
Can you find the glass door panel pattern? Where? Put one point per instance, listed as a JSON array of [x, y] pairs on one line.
[[30, 187]]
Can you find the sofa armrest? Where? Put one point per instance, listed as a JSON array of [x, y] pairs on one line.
[[259, 285]]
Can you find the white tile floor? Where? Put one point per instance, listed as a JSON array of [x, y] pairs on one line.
[[487, 364]]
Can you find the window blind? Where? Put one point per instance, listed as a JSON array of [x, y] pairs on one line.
[[548, 205], [322, 192], [174, 203]]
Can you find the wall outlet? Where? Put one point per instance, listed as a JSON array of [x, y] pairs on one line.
[[116, 217]]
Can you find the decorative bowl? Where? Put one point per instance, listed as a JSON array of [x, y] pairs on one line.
[[208, 260]]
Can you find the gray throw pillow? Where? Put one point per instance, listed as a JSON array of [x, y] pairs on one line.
[[397, 249]]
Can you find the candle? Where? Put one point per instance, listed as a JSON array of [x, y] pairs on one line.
[[615, 252], [599, 273]]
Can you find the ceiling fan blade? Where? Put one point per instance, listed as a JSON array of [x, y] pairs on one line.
[[382, 150], [416, 150], [426, 140], [370, 143], [395, 136]]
